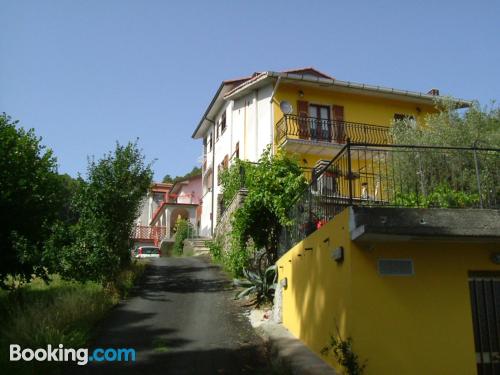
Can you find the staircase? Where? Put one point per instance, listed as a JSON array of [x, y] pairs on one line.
[[196, 246]]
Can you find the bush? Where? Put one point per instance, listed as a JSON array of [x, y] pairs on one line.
[[107, 203], [182, 229], [30, 201], [60, 312]]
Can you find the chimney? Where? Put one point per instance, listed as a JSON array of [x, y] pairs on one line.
[[433, 92]]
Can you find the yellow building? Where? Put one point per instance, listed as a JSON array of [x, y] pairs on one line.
[[417, 289]]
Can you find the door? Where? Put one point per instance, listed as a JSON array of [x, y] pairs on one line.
[[485, 302], [320, 122]]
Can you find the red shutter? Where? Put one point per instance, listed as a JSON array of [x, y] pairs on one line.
[[303, 113], [338, 123]]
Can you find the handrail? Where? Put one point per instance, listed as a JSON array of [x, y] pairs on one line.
[[330, 131]]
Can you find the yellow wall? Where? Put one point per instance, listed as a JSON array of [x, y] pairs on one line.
[[357, 108], [318, 295], [418, 324]]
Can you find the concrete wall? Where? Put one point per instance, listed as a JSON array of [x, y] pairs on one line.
[[419, 324]]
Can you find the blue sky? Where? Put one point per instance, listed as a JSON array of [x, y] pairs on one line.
[[85, 74]]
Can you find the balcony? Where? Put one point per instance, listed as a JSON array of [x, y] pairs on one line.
[[311, 135], [426, 182], [148, 233]]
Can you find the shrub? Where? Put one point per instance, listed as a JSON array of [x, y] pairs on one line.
[[262, 286], [182, 230]]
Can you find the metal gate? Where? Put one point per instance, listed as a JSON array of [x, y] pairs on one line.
[[485, 302]]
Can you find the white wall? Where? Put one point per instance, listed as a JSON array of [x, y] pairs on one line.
[[249, 123]]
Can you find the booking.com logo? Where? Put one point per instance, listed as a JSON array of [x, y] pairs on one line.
[[80, 356]]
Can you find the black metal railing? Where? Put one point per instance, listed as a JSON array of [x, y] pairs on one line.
[[396, 176], [330, 131]]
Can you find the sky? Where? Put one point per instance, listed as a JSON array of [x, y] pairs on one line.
[[85, 74]]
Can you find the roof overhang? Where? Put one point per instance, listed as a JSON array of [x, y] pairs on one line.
[[339, 86], [231, 90]]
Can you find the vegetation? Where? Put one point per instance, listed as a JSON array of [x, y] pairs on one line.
[[448, 127], [182, 229], [60, 312], [196, 171], [97, 247], [262, 286], [448, 178], [344, 355], [272, 186], [29, 201]]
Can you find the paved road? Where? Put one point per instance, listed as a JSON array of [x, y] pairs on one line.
[[182, 320]]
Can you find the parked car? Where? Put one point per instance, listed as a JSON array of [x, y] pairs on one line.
[[147, 252]]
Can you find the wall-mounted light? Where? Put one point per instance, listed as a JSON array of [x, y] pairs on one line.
[[495, 258], [284, 283], [338, 254], [301, 94]]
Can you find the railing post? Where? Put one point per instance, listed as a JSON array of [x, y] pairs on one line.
[[349, 167], [478, 177]]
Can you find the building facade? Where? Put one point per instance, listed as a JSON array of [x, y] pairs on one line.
[[303, 111]]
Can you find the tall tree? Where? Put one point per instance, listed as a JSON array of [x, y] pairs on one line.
[[107, 203], [29, 200]]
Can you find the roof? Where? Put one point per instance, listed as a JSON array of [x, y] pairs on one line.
[[308, 76], [176, 186]]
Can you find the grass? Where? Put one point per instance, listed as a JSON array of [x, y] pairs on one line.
[[61, 312]]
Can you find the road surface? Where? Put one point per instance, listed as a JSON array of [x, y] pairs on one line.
[[182, 320]]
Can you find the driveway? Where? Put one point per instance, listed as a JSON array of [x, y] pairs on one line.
[[182, 320]]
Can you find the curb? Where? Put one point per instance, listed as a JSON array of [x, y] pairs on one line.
[[291, 352]]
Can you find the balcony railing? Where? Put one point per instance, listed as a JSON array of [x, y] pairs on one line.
[[396, 176], [330, 131], [143, 232]]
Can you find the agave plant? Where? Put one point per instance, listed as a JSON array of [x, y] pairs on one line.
[[260, 285]]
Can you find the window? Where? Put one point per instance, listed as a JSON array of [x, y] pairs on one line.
[[237, 150], [209, 142], [320, 123], [404, 117], [223, 123], [221, 168]]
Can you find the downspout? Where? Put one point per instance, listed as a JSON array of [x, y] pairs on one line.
[[278, 81], [213, 175]]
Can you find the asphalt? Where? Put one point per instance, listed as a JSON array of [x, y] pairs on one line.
[[182, 319]]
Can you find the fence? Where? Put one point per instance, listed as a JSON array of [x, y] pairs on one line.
[[396, 176]]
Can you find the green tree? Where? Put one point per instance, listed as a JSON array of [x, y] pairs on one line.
[[447, 178], [107, 203], [29, 200], [196, 171], [182, 229], [273, 185]]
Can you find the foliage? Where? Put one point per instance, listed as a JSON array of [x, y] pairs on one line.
[[448, 178], [225, 251], [441, 197], [260, 285], [273, 185], [215, 250], [345, 356], [235, 178], [196, 171], [60, 312], [29, 201], [182, 229], [107, 203], [449, 127]]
